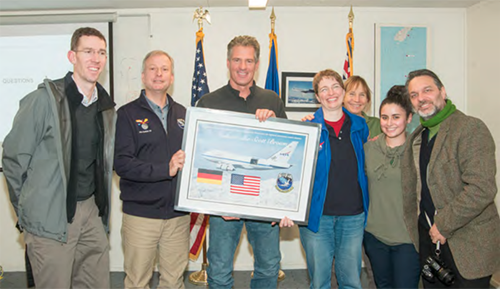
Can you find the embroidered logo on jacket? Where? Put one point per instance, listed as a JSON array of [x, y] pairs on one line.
[[181, 123], [143, 124]]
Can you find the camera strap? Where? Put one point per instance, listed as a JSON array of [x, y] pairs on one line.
[[428, 219], [438, 244]]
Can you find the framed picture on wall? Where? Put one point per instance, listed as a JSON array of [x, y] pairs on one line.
[[297, 91], [237, 166], [399, 49]]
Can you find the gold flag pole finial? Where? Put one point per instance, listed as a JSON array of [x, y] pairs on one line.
[[273, 19], [201, 15], [351, 18]]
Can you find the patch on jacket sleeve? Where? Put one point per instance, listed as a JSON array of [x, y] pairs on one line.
[[180, 123], [143, 124], [321, 145]]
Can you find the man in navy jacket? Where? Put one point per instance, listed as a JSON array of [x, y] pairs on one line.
[[147, 158]]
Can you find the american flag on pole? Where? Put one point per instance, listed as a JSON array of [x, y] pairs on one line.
[[200, 82], [348, 70], [199, 222], [245, 185]]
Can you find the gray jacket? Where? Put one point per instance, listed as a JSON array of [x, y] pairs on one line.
[[37, 156]]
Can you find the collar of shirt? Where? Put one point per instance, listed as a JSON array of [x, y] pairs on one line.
[[236, 92], [86, 101], [160, 112], [153, 105]]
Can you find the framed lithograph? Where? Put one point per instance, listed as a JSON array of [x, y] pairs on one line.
[[297, 91], [237, 166]]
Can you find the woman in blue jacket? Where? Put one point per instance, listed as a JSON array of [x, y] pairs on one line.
[[339, 203]]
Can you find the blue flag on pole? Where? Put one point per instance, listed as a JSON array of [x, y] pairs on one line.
[[200, 81], [272, 78]]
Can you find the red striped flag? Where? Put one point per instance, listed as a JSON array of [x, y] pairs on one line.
[[348, 65], [245, 185], [198, 228]]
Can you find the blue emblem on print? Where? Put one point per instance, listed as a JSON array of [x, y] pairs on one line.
[[180, 123], [284, 182]]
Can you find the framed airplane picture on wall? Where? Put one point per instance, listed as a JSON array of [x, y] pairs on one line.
[[297, 91], [237, 166]]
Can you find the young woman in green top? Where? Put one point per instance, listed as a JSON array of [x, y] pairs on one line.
[[393, 257]]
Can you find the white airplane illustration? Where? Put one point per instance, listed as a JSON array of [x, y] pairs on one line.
[[303, 91], [229, 162]]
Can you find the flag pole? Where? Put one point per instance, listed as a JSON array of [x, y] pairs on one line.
[[350, 16], [281, 274], [200, 278], [272, 83]]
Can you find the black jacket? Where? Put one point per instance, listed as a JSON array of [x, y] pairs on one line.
[[142, 153]]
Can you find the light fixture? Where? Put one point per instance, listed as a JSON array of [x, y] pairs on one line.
[[257, 4]]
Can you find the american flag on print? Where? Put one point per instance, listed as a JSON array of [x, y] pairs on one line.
[[245, 185]]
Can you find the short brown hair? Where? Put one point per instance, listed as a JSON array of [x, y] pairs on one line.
[[157, 52], [85, 31], [356, 80], [244, 40], [327, 73]]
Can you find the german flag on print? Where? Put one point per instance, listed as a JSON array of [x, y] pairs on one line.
[[209, 177]]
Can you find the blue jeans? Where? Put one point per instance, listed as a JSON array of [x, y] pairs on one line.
[[338, 237], [393, 266], [223, 240]]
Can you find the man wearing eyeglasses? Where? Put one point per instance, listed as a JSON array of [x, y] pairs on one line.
[[57, 161]]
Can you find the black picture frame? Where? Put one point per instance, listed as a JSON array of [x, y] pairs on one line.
[[297, 91]]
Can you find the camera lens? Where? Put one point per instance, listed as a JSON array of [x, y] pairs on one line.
[[435, 267], [446, 276]]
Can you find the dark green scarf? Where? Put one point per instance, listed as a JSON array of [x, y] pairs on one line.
[[448, 109], [433, 123]]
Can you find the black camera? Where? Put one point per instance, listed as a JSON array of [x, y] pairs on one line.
[[435, 267]]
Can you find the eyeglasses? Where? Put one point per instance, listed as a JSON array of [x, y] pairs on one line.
[[91, 52], [335, 87]]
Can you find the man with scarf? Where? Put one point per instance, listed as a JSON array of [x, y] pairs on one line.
[[448, 176]]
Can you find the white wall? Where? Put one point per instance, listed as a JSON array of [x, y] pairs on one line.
[[483, 74], [309, 39], [483, 68]]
